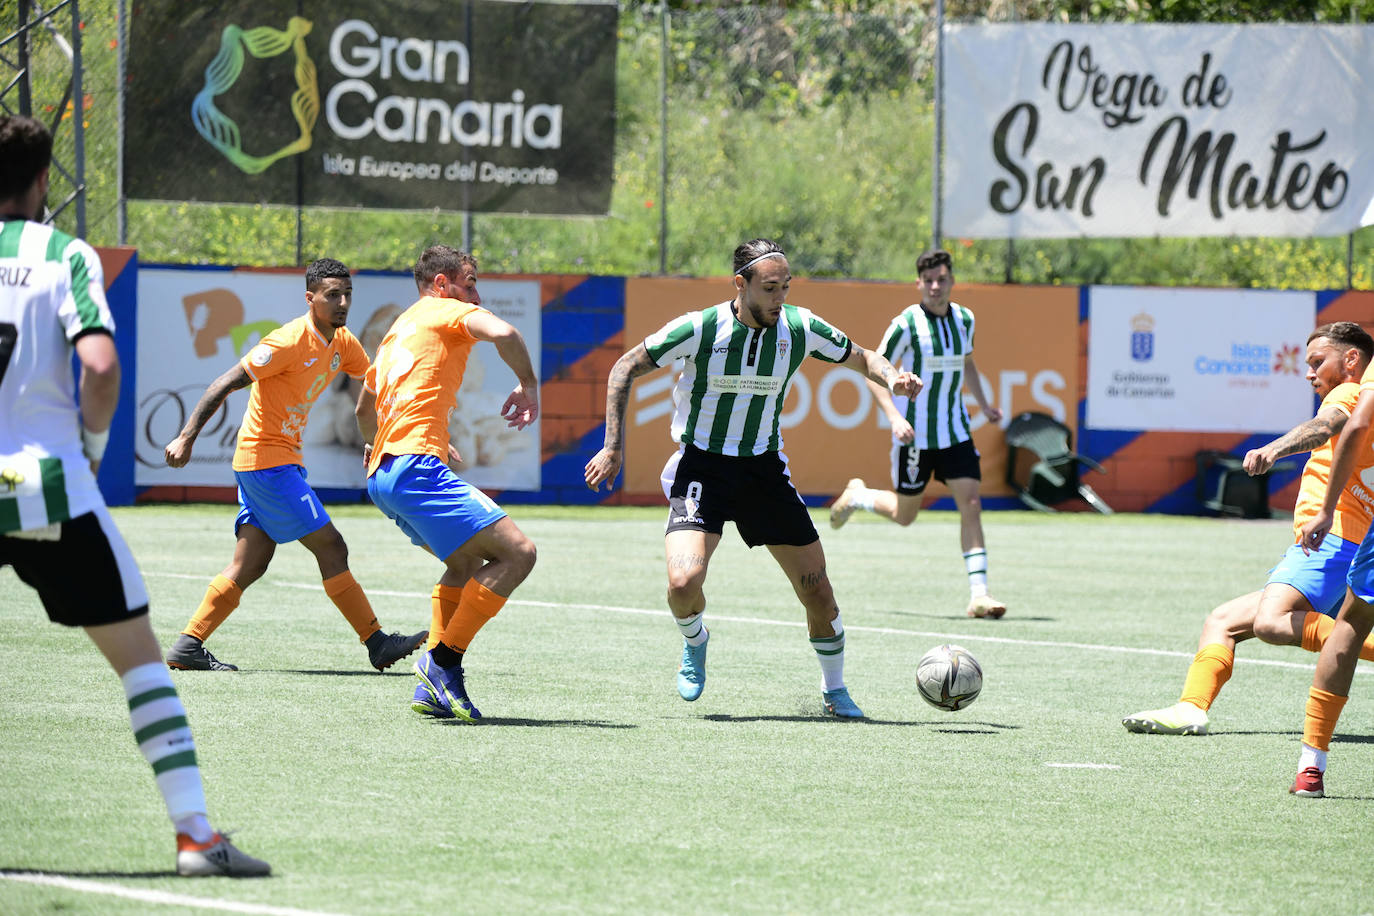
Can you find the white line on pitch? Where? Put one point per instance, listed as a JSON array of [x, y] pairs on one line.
[[148, 896], [857, 628], [1085, 766]]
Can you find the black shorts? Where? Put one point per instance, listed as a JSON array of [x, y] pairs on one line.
[[85, 577], [754, 492], [912, 468]]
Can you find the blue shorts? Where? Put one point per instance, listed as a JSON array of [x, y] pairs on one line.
[[1361, 578], [280, 502], [435, 507], [1320, 575]]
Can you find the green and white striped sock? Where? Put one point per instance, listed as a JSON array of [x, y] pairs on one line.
[[830, 653], [164, 739], [693, 630], [976, 562]]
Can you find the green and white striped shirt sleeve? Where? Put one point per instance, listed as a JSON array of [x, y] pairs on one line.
[[84, 308], [676, 339], [823, 340]]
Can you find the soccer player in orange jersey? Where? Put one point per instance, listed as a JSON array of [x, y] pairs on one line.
[[1349, 639], [1300, 600], [403, 413], [288, 370]]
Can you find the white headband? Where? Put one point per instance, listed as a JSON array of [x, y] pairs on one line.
[[771, 254]]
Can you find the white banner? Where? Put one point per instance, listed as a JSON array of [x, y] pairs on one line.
[[195, 324], [1060, 131], [1201, 360]]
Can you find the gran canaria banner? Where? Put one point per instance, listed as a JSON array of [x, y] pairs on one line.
[[1060, 131], [482, 105]]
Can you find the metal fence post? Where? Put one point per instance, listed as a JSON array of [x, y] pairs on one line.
[[937, 207], [663, 140]]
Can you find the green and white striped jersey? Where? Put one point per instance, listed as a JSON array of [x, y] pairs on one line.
[[933, 348], [52, 291], [728, 398]]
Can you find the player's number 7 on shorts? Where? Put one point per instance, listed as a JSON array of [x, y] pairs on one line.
[[314, 513]]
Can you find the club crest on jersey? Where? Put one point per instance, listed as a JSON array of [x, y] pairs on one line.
[[783, 343], [261, 355], [334, 363]]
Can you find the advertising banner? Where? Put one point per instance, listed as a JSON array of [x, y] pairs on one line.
[[479, 105], [195, 324], [1199, 360], [832, 427], [1063, 131]]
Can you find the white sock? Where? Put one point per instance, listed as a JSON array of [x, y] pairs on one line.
[[693, 630], [1311, 757], [976, 562], [863, 498], [164, 738], [830, 653]]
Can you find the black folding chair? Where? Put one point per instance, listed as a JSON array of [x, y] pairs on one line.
[[1041, 444], [1224, 488]]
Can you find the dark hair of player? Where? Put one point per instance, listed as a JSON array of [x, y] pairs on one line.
[[324, 269], [750, 252], [934, 258], [25, 151], [1346, 334], [441, 259]]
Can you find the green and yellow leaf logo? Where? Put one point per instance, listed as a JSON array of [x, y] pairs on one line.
[[262, 42]]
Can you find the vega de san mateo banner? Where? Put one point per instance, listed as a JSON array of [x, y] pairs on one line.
[[1059, 131], [478, 105]]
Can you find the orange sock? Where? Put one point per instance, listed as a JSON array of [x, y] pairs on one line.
[[478, 605], [1210, 670], [1323, 709], [443, 601], [1315, 628], [349, 598], [221, 597]]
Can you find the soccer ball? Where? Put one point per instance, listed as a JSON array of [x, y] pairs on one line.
[[949, 677]]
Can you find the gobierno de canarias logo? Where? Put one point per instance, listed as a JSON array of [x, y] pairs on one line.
[[262, 42]]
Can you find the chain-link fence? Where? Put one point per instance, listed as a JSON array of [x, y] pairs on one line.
[[814, 128]]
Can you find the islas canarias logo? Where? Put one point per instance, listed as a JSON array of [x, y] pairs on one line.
[[263, 42], [1287, 361]]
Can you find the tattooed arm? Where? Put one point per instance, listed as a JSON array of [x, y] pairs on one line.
[[606, 463], [873, 366], [1304, 437], [178, 451], [884, 380]]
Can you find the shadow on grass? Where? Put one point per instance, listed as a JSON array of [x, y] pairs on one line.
[[1018, 618], [57, 873], [1296, 733], [953, 728], [538, 723], [399, 672]]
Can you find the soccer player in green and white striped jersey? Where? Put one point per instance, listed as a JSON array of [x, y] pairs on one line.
[[54, 528], [930, 432], [738, 359]]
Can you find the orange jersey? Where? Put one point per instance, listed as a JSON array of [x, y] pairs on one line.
[[416, 376], [290, 368], [1355, 509]]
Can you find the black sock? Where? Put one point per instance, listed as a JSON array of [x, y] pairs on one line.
[[374, 639], [187, 643], [446, 657]]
